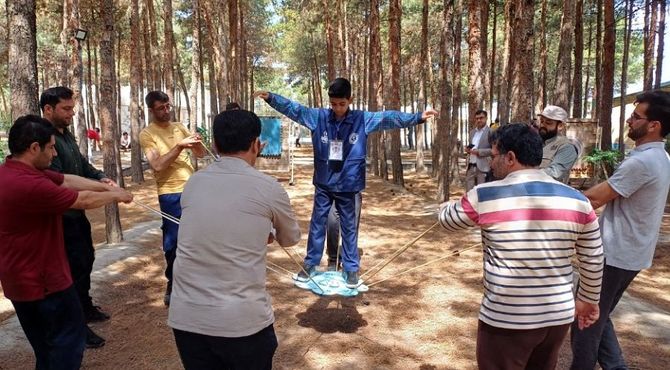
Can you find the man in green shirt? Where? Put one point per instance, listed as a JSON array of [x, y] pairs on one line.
[[57, 106]]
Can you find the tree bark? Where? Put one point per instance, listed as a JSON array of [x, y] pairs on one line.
[[564, 64], [521, 59], [196, 65], [22, 58], [168, 56], [628, 23], [579, 61], [234, 87], [135, 82], [585, 110], [456, 121], [541, 96], [598, 66], [146, 35], [446, 95], [650, 16], [494, 51], [217, 43], [374, 83], [505, 83], [395, 16], [90, 95], [155, 57], [475, 72], [330, 40], [605, 111], [423, 65], [108, 116], [661, 44]]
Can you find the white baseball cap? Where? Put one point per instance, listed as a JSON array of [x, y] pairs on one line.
[[555, 112]]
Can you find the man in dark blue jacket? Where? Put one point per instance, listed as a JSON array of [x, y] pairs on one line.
[[339, 137]]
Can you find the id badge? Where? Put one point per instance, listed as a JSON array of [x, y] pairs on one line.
[[335, 150]]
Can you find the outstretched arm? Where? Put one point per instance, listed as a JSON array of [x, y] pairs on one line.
[[297, 112], [391, 119]]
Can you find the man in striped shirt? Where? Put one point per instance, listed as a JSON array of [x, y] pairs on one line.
[[532, 226]]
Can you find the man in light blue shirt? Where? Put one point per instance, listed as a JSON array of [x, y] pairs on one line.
[[635, 196]]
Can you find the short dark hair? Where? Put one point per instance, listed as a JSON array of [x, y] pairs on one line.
[[54, 95], [235, 130], [481, 111], [340, 88], [27, 130], [232, 106], [154, 96], [124, 133], [658, 109], [521, 139]]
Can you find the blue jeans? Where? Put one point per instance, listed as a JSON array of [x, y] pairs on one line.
[[346, 208], [598, 343], [55, 329], [170, 204]]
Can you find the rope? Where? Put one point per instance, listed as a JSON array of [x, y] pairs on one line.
[[425, 264], [216, 157], [160, 213], [290, 273], [397, 253], [273, 270], [302, 268]]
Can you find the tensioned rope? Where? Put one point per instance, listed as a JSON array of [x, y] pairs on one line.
[[395, 255], [176, 220], [425, 264]]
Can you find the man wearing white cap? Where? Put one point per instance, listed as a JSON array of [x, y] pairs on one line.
[[558, 154]]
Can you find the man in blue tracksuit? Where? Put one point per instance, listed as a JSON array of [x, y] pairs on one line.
[[339, 138]]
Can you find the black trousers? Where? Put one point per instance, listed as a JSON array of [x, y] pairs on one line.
[[80, 254], [202, 352], [54, 327]]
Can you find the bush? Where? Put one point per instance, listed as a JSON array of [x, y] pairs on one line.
[[603, 161]]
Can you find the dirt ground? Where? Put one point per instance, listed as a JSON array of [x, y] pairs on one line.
[[426, 319]]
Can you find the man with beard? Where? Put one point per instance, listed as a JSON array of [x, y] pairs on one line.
[[635, 196], [58, 107], [34, 268], [558, 153], [165, 143]]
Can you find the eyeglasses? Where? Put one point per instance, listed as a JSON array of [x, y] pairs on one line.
[[167, 107], [636, 117]]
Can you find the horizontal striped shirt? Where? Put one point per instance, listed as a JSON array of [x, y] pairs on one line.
[[532, 226]]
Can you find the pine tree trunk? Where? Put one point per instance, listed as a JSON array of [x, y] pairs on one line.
[[136, 74], [565, 47], [22, 58], [579, 61], [494, 51], [218, 47], [234, 89], [423, 64], [146, 36], [156, 59], [456, 121], [445, 123], [628, 23], [598, 66], [330, 40], [196, 64], [341, 39], [168, 56], [108, 116], [521, 60], [661, 44], [374, 83], [505, 83], [541, 96], [475, 72], [90, 95], [650, 16], [395, 15], [605, 111], [585, 110]]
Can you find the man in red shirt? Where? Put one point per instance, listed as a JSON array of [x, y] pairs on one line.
[[34, 270]]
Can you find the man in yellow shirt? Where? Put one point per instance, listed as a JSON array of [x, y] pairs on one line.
[[163, 143]]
